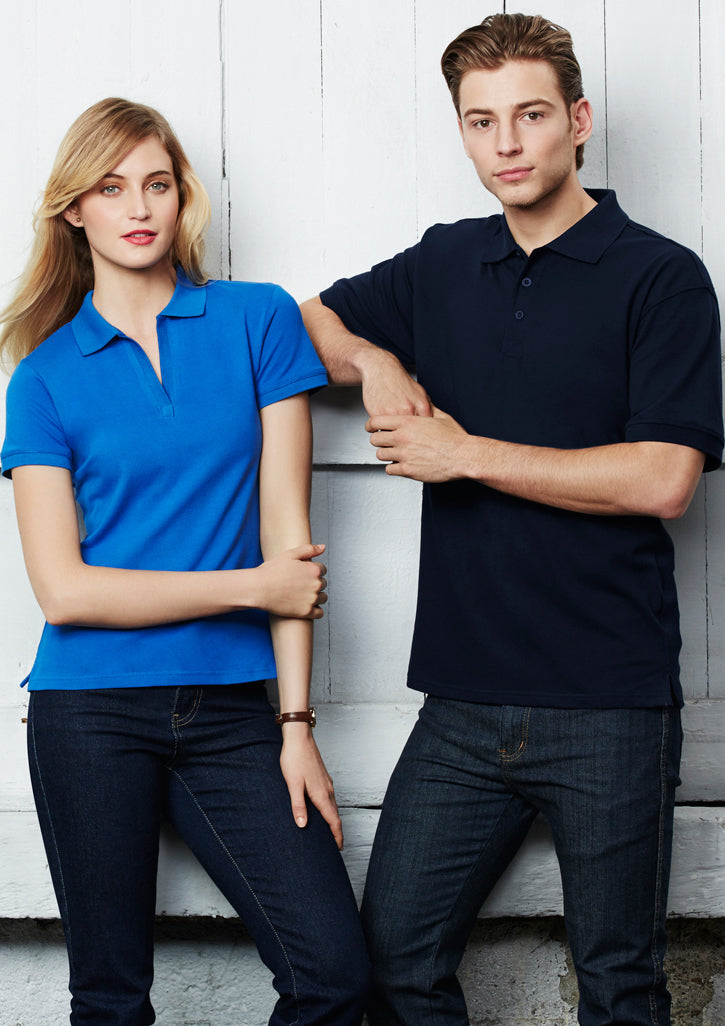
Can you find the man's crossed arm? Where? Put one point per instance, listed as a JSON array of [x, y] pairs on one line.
[[420, 442]]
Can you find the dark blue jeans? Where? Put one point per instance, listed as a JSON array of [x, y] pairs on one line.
[[468, 785], [107, 765]]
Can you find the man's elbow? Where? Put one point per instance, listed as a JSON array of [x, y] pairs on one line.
[[673, 499]]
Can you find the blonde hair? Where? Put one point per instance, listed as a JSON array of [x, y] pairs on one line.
[[60, 271]]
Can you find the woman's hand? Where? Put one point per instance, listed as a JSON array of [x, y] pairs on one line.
[[305, 774], [292, 585]]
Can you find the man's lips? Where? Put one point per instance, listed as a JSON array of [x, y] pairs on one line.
[[513, 174], [140, 238]]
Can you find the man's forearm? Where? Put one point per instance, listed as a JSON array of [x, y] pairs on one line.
[[344, 354], [641, 478], [350, 360]]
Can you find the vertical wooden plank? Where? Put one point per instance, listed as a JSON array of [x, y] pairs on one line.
[[653, 104], [369, 132], [274, 125], [373, 563], [712, 32], [18, 29], [448, 187]]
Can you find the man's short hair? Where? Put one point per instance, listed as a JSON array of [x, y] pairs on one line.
[[514, 37]]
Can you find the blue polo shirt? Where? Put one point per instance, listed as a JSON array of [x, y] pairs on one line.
[[165, 474], [608, 334]]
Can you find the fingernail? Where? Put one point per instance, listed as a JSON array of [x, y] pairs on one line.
[[300, 821]]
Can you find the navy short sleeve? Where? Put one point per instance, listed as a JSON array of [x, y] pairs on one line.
[[674, 374], [379, 304]]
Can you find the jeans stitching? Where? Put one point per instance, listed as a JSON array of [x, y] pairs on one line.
[[65, 918], [180, 721], [524, 741], [249, 888]]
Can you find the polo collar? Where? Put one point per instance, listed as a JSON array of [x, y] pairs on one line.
[[586, 240], [92, 332]]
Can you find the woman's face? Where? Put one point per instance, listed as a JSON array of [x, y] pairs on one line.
[[129, 217]]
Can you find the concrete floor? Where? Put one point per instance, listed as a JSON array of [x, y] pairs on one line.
[[517, 972]]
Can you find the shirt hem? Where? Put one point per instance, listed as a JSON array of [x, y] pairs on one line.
[[193, 678], [655, 697]]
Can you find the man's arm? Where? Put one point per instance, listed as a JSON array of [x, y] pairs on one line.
[[387, 388], [629, 478]]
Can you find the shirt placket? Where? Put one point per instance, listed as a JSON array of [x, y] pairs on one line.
[[520, 311]]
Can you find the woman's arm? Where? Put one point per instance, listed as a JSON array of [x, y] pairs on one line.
[[284, 498], [70, 592]]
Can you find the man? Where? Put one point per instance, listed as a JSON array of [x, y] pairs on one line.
[[568, 398]]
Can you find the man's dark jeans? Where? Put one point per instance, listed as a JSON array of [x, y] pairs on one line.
[[469, 783]]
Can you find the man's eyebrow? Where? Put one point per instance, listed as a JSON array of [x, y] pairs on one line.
[[486, 112]]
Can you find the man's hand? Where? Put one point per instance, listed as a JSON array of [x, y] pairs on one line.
[[388, 389], [430, 449]]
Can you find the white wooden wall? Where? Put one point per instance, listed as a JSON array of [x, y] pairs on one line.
[[326, 137]]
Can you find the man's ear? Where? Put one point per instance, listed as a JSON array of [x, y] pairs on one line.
[[583, 120], [463, 137], [72, 216]]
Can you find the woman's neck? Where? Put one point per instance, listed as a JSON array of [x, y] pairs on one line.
[[131, 300]]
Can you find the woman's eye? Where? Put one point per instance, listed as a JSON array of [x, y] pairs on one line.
[[109, 190]]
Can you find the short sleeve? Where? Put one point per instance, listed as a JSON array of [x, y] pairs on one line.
[[675, 384], [33, 432], [379, 304], [286, 362]]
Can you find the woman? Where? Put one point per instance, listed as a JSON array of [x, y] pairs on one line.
[[174, 410]]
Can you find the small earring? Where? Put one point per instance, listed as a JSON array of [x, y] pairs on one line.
[[78, 220]]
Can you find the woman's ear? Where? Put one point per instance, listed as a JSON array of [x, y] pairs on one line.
[[73, 217]]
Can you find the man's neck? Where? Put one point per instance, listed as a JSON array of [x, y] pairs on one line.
[[534, 227]]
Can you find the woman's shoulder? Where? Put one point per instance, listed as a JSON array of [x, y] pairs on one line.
[[52, 352], [261, 299]]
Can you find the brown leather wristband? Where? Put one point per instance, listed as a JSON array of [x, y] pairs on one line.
[[308, 716]]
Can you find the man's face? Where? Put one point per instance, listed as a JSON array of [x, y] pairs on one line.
[[520, 133]]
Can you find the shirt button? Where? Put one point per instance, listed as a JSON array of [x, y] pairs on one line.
[[526, 282], [519, 315]]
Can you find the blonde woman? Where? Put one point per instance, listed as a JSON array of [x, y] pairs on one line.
[[174, 410]]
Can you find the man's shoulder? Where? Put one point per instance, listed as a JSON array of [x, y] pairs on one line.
[[463, 230], [654, 252], [460, 239]]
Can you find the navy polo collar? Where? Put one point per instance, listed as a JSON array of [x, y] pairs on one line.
[[586, 240], [92, 332]]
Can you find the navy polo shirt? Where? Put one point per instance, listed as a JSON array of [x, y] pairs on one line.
[[608, 334], [166, 475]]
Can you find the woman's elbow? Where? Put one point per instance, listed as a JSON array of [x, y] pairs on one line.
[[58, 604]]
